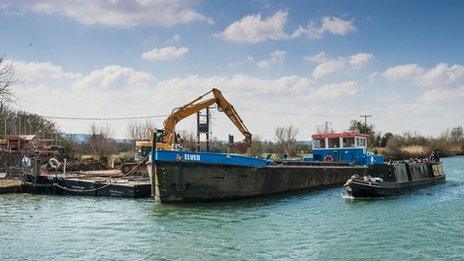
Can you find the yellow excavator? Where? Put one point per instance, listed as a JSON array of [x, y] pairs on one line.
[[168, 139]]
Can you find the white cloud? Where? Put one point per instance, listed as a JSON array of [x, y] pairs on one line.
[[113, 12], [318, 58], [174, 40], [327, 66], [114, 91], [441, 95], [276, 58], [332, 25], [359, 60], [402, 72], [114, 77], [254, 29], [373, 75], [42, 73], [164, 54], [335, 91], [441, 75]]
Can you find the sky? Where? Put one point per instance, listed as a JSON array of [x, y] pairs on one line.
[[279, 63]]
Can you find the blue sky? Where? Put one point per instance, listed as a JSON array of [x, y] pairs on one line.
[[398, 60]]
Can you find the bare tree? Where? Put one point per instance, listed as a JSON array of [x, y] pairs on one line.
[[287, 143], [140, 131], [188, 141], [7, 80], [100, 142], [257, 147]]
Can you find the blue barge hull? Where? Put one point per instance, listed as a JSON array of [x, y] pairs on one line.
[[192, 177]]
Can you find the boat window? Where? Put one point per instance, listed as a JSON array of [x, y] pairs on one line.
[[361, 142], [319, 143], [334, 143], [348, 142]]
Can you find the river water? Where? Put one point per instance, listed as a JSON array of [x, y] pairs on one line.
[[426, 224]]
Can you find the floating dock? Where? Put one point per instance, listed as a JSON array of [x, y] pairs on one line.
[[10, 186], [105, 184]]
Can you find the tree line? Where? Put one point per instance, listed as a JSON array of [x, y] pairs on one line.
[[450, 142]]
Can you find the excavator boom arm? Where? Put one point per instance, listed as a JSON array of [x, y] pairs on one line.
[[193, 107], [180, 114], [230, 111]]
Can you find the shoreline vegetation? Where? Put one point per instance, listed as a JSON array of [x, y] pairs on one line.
[[392, 146], [411, 144]]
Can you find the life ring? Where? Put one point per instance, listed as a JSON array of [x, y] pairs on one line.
[[328, 158], [54, 163]]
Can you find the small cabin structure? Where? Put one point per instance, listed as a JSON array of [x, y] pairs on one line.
[[349, 146], [17, 143]]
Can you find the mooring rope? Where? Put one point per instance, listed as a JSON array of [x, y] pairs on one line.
[[80, 190], [102, 187]]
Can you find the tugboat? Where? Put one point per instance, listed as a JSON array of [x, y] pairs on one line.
[[395, 178], [349, 147]]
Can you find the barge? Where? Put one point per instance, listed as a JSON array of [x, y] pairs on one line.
[[178, 176], [395, 178]]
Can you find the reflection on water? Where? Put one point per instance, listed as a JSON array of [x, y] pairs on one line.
[[325, 224]]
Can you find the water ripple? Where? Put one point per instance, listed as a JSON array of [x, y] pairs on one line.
[[326, 224]]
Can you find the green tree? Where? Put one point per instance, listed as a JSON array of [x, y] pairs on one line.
[[360, 127]]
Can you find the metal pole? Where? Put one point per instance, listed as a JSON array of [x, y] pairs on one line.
[[198, 131], [153, 167], [365, 116], [3, 117], [207, 132], [64, 168], [4, 121]]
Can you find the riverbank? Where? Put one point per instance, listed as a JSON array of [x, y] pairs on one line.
[[418, 151]]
